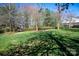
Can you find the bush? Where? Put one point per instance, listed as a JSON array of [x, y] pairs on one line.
[[75, 26], [1, 31], [30, 29], [44, 28], [73, 29], [7, 29]]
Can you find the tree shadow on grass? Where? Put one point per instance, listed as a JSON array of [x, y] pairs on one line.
[[63, 48], [76, 45]]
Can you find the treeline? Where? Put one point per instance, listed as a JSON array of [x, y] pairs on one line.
[[30, 17], [18, 19]]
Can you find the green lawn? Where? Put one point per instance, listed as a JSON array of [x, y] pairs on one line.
[[64, 42], [7, 39]]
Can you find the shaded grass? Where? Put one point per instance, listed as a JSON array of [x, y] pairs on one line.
[[60, 42]]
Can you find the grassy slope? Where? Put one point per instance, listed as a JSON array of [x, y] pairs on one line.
[[17, 38]]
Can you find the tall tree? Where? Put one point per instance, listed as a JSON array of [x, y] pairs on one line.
[[12, 16], [47, 17], [7, 12], [60, 8], [37, 16], [34, 16], [70, 19]]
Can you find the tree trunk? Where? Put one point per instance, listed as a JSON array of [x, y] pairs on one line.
[[58, 21], [58, 25], [69, 24], [59, 17], [9, 18], [36, 27]]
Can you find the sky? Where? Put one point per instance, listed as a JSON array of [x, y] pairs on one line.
[[51, 6]]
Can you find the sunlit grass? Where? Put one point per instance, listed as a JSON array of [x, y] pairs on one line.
[[17, 38]]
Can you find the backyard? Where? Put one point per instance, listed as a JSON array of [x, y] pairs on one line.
[[39, 29]]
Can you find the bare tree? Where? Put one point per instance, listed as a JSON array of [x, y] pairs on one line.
[[34, 16], [70, 20], [61, 7]]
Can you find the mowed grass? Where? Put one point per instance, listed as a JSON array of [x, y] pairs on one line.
[[17, 38]]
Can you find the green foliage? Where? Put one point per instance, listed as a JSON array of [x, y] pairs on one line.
[[72, 29], [43, 43], [7, 29], [45, 28], [47, 18]]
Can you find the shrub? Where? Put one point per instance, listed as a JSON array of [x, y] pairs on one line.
[[30, 29], [73, 29], [7, 29], [2, 31], [44, 28]]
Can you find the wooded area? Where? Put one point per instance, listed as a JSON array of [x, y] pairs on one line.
[[32, 18]]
